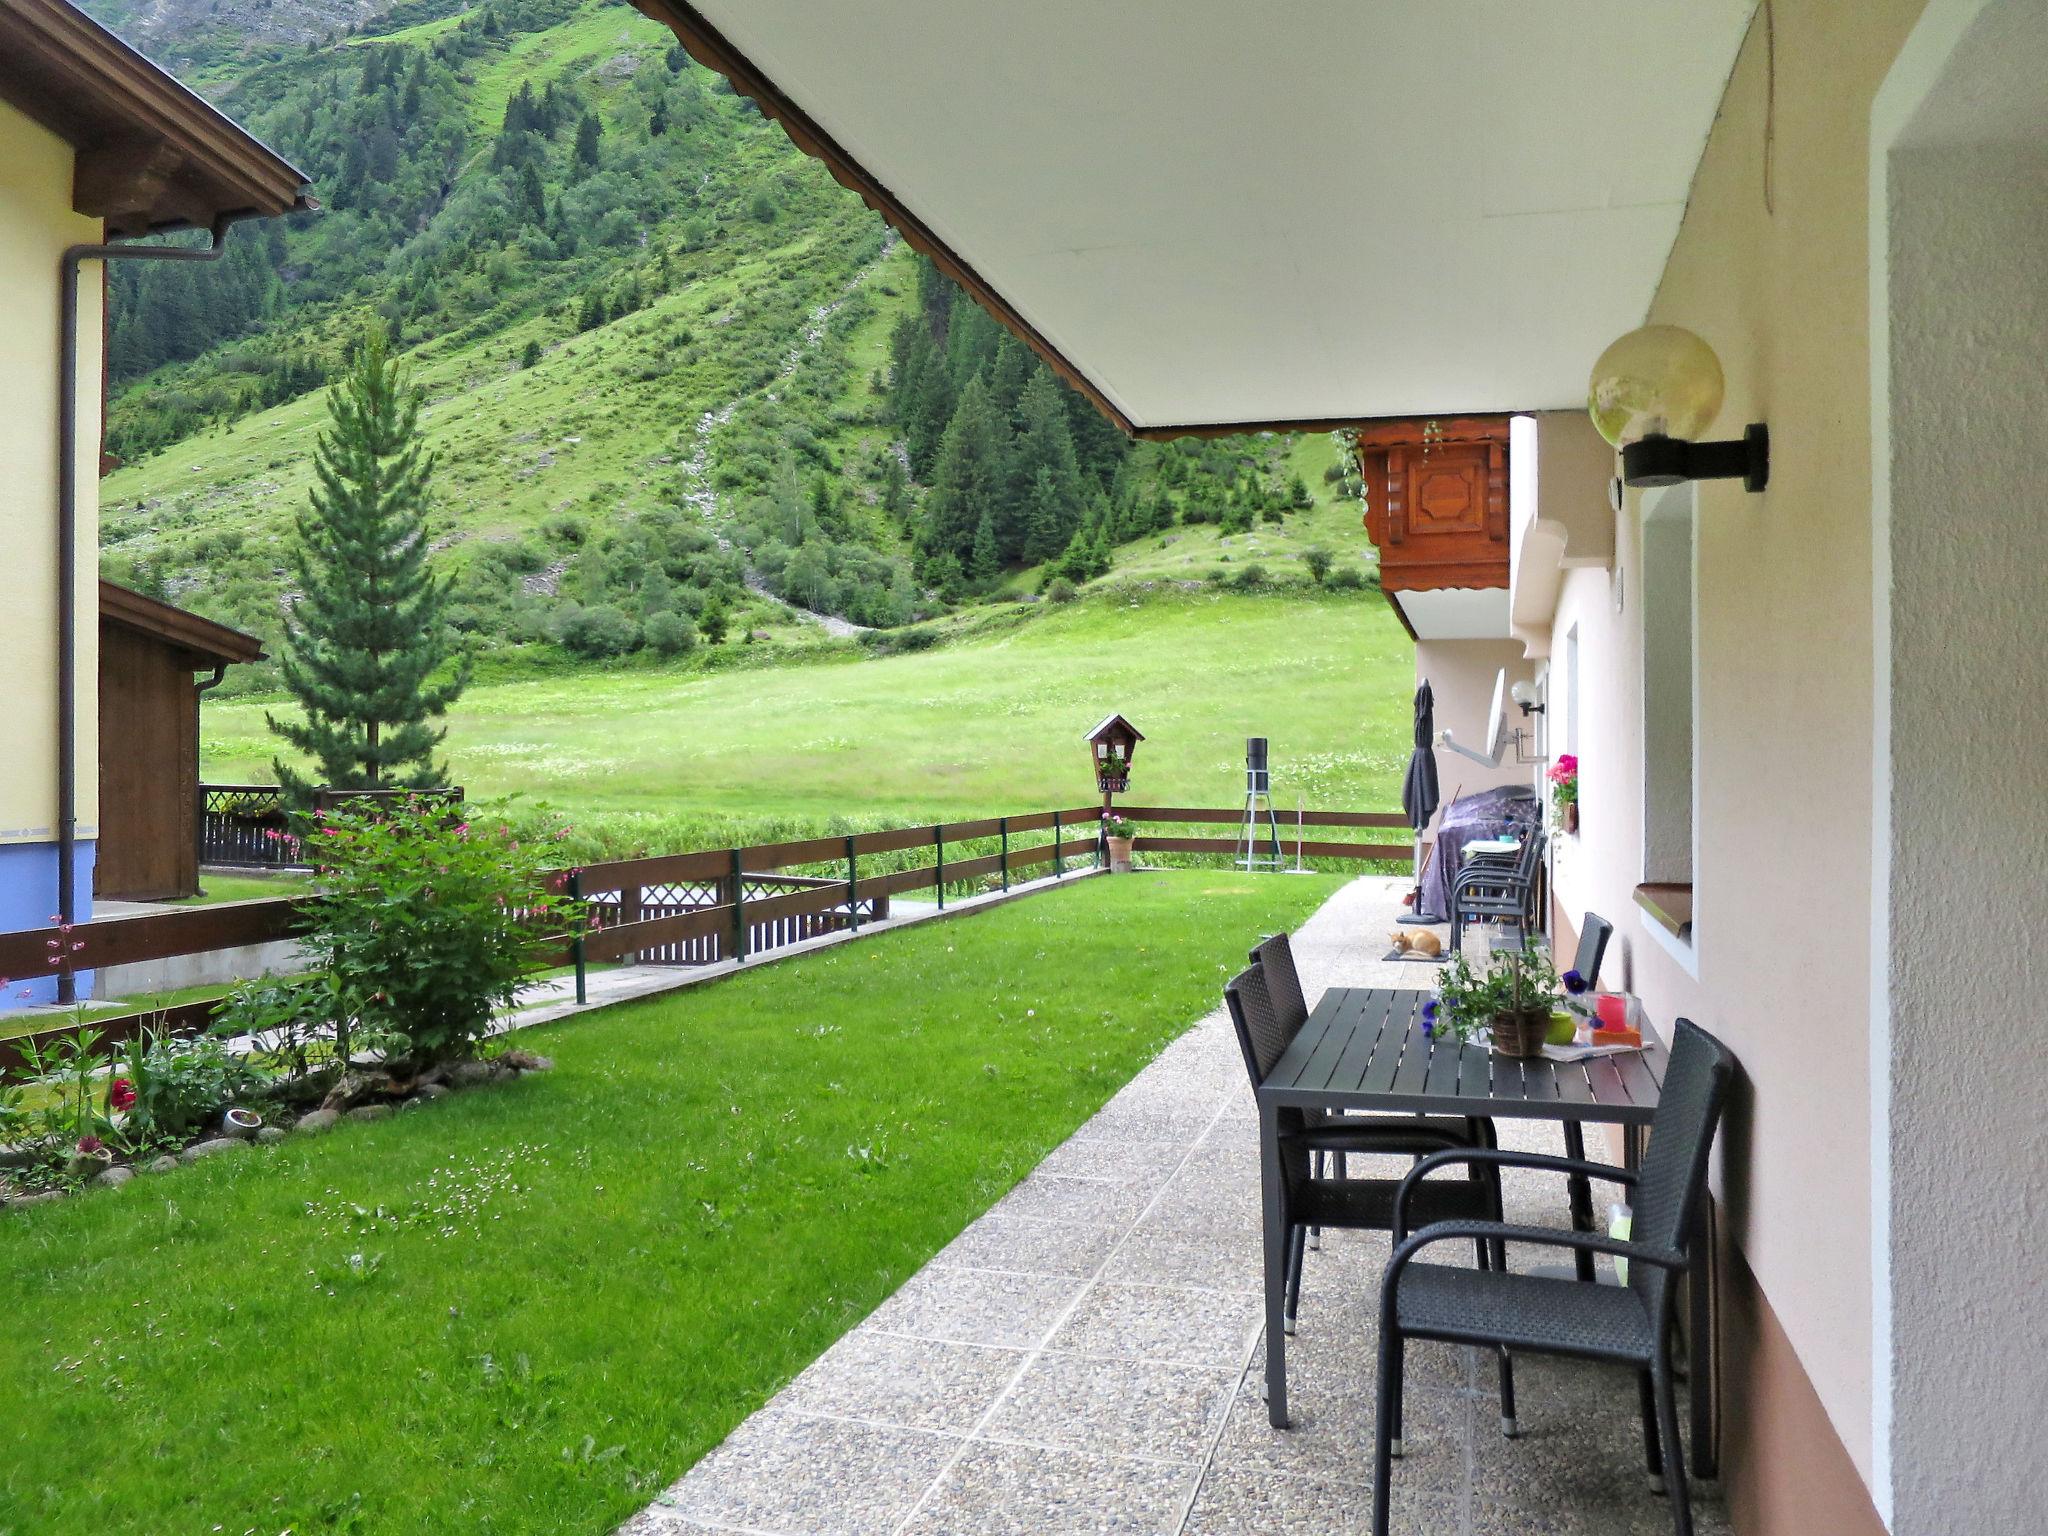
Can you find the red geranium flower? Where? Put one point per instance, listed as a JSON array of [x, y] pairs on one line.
[[120, 1094]]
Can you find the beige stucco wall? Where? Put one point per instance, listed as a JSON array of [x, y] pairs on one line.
[[1461, 675], [36, 224], [1784, 717]]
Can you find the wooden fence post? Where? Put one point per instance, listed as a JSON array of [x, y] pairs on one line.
[[852, 889], [739, 910], [1004, 856], [576, 895], [1059, 865], [939, 844]]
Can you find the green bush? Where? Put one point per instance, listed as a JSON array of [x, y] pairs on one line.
[[181, 1084], [670, 634], [1318, 562], [425, 925], [1060, 590], [1346, 578], [1251, 577], [597, 632]]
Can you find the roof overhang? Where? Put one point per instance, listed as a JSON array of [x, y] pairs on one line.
[[207, 644], [1228, 217], [151, 156]]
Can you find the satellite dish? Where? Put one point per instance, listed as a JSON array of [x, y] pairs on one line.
[[1496, 738]]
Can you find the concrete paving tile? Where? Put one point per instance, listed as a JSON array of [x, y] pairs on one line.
[[918, 1383], [1121, 1162], [1241, 1503], [1331, 1435], [1115, 1407], [1010, 1490], [966, 1306], [1162, 1323], [1027, 1247], [1049, 1197], [1154, 1255], [789, 1473]]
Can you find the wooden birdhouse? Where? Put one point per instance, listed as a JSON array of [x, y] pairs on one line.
[[1112, 745]]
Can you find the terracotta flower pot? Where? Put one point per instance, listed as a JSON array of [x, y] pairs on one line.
[[1521, 1034], [1571, 818], [1119, 855]]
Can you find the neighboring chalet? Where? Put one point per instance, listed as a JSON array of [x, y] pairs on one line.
[[150, 653], [98, 144]]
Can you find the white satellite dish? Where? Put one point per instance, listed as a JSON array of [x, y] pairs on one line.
[[1496, 738]]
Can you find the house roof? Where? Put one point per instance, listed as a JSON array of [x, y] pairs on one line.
[[210, 644], [1218, 216], [1107, 721], [152, 155]]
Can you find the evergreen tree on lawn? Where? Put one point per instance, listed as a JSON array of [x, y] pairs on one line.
[[367, 640]]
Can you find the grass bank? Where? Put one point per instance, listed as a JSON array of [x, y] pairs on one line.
[[525, 1310]]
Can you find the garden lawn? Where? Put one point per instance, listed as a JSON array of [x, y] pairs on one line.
[[526, 1309]]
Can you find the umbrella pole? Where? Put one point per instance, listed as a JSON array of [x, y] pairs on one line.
[[1414, 912]]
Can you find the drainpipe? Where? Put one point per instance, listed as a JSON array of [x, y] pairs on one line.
[[67, 543]]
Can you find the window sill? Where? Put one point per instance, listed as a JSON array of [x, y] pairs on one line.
[[1666, 913]]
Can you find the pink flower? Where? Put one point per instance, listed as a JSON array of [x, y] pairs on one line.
[[1565, 769], [90, 1144], [120, 1094]]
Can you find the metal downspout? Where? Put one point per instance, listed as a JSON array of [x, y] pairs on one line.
[[67, 543]]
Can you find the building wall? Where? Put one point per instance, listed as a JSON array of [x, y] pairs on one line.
[[1461, 674], [1968, 707], [36, 224], [1771, 267]]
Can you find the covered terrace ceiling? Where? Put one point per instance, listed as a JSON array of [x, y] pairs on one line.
[[1220, 213]]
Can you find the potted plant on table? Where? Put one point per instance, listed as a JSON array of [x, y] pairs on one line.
[[1117, 833], [1512, 999], [1564, 790]]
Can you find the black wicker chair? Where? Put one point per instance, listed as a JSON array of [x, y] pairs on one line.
[[1628, 1324], [1310, 1200], [1498, 893]]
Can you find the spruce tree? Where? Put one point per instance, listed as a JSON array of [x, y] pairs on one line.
[[367, 640], [986, 564], [967, 480]]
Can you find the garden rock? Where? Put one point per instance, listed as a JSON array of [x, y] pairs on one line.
[[430, 1091], [370, 1112], [526, 1061], [114, 1178], [43, 1197], [319, 1120], [270, 1136], [474, 1074], [200, 1149], [24, 1155], [353, 1088], [162, 1164]]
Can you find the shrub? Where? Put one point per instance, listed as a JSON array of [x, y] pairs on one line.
[[425, 925], [670, 634], [1346, 578], [1318, 562], [598, 631], [1251, 577], [1060, 590]]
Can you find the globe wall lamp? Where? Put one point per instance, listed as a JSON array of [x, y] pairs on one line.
[[1656, 389]]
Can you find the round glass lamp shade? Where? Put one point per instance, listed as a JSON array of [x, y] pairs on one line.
[[1661, 379]]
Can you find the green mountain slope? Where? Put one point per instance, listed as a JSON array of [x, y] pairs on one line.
[[677, 378]]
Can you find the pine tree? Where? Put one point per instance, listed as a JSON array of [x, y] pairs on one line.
[[1045, 533], [589, 134], [986, 564], [1044, 450], [367, 637], [967, 480]]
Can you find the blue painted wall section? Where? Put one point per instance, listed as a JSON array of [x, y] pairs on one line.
[[28, 895]]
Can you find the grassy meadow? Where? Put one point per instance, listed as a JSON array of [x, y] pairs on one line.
[[988, 724]]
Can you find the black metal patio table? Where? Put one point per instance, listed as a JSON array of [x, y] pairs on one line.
[[1363, 1049]]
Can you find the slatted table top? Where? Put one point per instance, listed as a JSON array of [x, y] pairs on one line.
[[1363, 1048]]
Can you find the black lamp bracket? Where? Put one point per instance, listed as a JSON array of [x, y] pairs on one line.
[[1658, 460]]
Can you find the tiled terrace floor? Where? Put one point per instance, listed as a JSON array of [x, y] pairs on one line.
[[1087, 1357]]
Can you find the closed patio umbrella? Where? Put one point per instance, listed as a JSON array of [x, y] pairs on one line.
[[1419, 788]]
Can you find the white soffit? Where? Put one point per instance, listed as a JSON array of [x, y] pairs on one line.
[[1456, 613], [1223, 212]]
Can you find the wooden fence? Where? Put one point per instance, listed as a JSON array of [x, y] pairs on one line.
[[686, 908], [243, 826]]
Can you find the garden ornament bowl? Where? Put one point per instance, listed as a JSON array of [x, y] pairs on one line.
[[244, 1123]]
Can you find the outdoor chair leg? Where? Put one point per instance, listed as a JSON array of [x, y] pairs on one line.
[[1385, 1428], [1509, 1429], [1673, 1448], [1315, 1171], [1297, 1245], [1651, 1455]]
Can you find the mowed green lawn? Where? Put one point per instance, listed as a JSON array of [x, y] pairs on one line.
[[981, 727], [526, 1309]]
